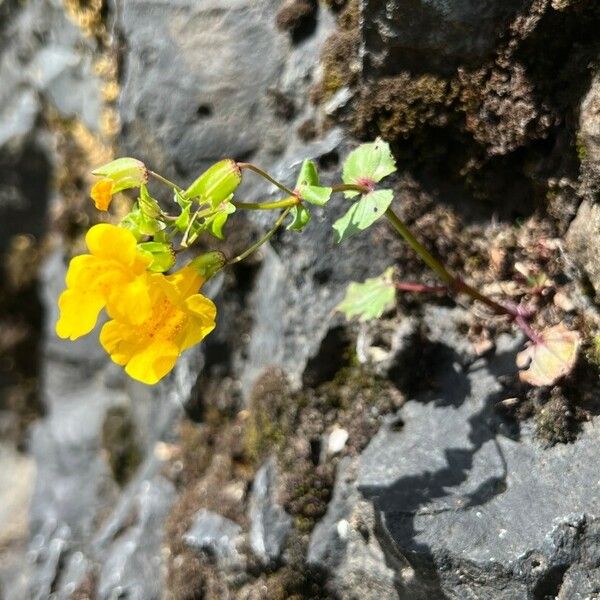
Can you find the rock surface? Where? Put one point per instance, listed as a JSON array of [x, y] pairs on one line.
[[431, 35], [448, 499]]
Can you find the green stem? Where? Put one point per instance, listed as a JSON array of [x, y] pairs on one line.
[[455, 284], [433, 263], [165, 181], [265, 175], [350, 187], [293, 201], [263, 239]]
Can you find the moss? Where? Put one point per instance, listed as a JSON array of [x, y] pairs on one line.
[[397, 106], [339, 57], [306, 492], [555, 420], [270, 415], [120, 442], [580, 147], [296, 580]]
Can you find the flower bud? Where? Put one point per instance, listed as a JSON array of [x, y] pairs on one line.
[[118, 175], [208, 264], [217, 183]]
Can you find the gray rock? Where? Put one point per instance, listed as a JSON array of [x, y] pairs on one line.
[[583, 241], [270, 525], [132, 565], [589, 122], [580, 583], [345, 545], [213, 533], [431, 35], [475, 506]]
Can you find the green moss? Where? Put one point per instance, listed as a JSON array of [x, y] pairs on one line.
[[271, 414], [397, 106], [120, 442], [580, 147], [339, 56], [555, 421]]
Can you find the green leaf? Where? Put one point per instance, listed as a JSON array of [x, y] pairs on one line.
[[148, 205], [362, 214], [140, 224], [368, 163], [183, 220], [314, 194], [215, 222], [300, 218], [369, 300], [308, 174], [163, 257]]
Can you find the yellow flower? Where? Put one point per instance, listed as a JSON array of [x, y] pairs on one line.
[[109, 276], [180, 317], [102, 193], [120, 174]]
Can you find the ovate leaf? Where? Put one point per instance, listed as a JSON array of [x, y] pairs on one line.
[[369, 300], [314, 194], [553, 357], [300, 218], [369, 163], [362, 214], [308, 174]]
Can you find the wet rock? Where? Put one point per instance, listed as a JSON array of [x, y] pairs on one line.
[[431, 35], [214, 534], [270, 525]]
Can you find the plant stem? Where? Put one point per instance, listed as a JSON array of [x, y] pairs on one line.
[[165, 181], [349, 187], [455, 284], [265, 238], [433, 263], [292, 201], [265, 175]]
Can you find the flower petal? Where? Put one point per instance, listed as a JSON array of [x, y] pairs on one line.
[[203, 313], [112, 242], [102, 193], [132, 302], [153, 363], [79, 311], [186, 281], [117, 339]]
